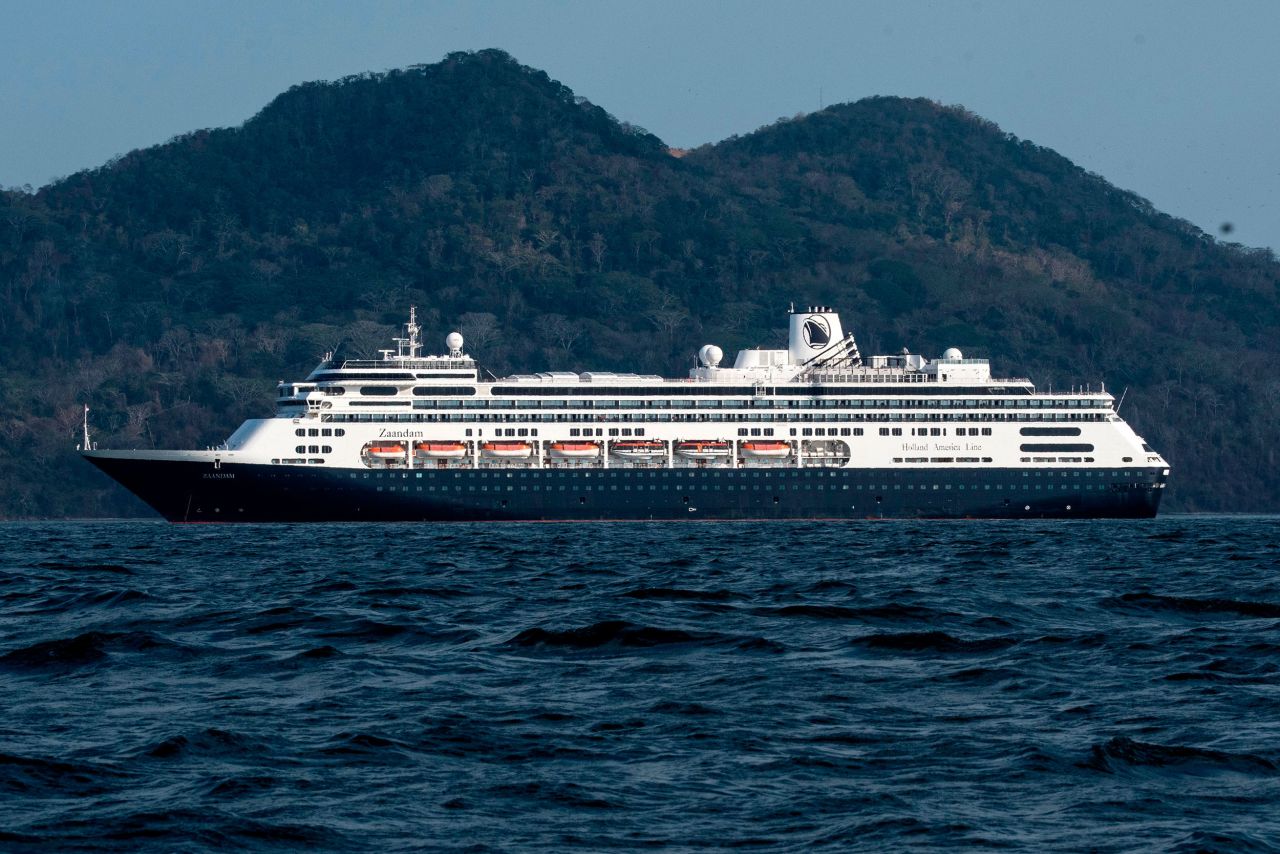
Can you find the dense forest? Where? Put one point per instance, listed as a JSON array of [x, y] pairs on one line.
[[172, 287]]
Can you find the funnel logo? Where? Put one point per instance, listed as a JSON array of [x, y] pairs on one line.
[[817, 334]]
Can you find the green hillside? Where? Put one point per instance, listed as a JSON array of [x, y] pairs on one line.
[[172, 287]]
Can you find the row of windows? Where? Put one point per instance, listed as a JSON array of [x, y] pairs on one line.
[[697, 390], [600, 431], [714, 417], [1050, 431], [715, 487], [823, 431], [320, 431], [935, 431], [693, 474], [439, 402], [942, 459], [313, 449]]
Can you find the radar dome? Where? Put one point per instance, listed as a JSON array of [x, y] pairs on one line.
[[454, 342], [952, 353], [710, 355]]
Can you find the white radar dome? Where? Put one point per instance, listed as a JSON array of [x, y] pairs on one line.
[[710, 355], [952, 353], [454, 342]]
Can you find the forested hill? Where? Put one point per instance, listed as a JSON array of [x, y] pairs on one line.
[[171, 288]]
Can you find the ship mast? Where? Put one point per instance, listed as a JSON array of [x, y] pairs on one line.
[[88, 446]]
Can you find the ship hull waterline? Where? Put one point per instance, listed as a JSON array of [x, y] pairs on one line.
[[197, 491]]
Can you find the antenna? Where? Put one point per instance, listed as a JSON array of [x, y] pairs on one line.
[[1120, 402], [88, 445]]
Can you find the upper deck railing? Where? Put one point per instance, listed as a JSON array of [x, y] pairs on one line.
[[401, 364]]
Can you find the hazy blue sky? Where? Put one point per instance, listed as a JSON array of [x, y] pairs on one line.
[[1177, 101]]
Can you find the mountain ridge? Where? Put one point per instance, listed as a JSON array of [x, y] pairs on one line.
[[169, 288]]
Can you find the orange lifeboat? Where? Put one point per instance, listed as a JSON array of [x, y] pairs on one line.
[[575, 450], [641, 449], [387, 452], [765, 449], [440, 450], [506, 450], [703, 449]]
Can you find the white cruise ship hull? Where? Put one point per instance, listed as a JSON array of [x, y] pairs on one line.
[[188, 490]]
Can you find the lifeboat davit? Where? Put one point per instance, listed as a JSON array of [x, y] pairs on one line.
[[506, 450], [441, 450], [639, 450], [703, 450], [575, 450], [387, 452], [765, 449]]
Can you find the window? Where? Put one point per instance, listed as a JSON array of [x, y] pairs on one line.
[[313, 432], [301, 431], [986, 431], [897, 431], [301, 449], [884, 431], [325, 449]]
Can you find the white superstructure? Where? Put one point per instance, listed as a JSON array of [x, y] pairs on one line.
[[817, 403]]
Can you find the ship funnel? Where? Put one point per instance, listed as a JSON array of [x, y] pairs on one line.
[[812, 332]]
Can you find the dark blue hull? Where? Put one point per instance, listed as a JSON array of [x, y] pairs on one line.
[[197, 492]]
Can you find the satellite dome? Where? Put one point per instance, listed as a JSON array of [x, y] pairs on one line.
[[454, 342], [710, 355], [952, 353]]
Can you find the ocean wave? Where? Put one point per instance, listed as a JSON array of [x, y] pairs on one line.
[[676, 594], [209, 742], [624, 635], [42, 777], [91, 648], [1123, 752], [935, 641], [1191, 605], [64, 566]]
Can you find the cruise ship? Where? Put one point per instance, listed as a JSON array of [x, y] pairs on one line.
[[813, 431]]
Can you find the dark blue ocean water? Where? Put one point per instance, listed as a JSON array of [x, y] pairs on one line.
[[1027, 686]]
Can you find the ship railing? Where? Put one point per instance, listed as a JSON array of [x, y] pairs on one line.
[[421, 364]]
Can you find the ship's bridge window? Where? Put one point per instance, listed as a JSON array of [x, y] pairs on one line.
[[439, 390]]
